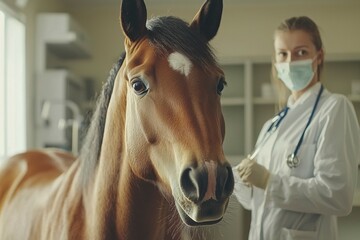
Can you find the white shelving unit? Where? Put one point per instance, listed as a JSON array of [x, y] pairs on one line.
[[59, 38], [246, 109], [242, 102]]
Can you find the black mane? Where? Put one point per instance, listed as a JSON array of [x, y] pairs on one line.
[[90, 151]]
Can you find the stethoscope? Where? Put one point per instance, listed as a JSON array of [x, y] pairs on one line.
[[292, 160]]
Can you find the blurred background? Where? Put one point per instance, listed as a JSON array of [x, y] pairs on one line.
[[56, 54]]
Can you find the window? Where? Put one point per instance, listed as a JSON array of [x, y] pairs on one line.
[[12, 84]]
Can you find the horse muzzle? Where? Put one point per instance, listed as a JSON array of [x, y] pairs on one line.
[[205, 191]]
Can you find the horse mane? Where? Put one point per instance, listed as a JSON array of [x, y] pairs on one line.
[[166, 34], [90, 151]]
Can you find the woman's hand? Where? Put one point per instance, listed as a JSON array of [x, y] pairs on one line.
[[253, 173]]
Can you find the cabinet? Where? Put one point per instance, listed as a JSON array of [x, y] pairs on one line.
[[233, 107], [60, 92], [247, 102]]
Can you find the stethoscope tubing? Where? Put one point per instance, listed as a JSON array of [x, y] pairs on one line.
[[292, 160]]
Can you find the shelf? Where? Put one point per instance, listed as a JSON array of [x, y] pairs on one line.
[[232, 101], [354, 98], [264, 101], [69, 47]]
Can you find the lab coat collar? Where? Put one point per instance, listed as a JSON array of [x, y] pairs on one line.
[[311, 91]]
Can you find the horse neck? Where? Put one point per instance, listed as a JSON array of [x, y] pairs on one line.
[[141, 206], [125, 206], [122, 206]]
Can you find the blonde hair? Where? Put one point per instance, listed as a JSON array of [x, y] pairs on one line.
[[291, 24]]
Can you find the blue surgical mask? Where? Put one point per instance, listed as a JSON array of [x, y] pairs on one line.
[[296, 75]]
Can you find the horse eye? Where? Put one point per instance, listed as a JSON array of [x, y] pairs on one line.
[[139, 86], [220, 86]]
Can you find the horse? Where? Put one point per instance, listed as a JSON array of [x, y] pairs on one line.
[[152, 162]]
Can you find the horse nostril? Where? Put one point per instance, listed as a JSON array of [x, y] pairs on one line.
[[225, 182], [193, 184]]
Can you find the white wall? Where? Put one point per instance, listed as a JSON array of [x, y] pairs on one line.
[[106, 40], [246, 30]]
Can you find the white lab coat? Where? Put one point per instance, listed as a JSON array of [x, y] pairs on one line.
[[304, 202]]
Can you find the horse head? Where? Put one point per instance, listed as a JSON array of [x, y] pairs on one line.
[[174, 128]]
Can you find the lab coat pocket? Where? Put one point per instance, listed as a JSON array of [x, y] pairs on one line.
[[306, 155], [291, 234]]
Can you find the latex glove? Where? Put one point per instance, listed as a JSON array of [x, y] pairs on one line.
[[253, 173]]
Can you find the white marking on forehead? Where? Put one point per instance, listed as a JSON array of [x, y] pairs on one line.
[[180, 63]]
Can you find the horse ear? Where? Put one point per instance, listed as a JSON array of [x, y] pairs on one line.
[[133, 18], [207, 20]]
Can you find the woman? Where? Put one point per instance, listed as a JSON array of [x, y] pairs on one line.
[[303, 172]]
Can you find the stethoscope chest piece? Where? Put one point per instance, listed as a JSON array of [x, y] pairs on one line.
[[292, 161]]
